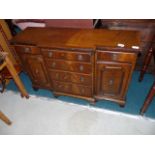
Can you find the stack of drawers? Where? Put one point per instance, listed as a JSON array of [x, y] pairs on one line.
[[70, 72]]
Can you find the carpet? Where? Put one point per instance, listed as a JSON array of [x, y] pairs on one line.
[[41, 115], [136, 95]]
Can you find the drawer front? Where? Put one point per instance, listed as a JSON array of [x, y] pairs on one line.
[[67, 55], [69, 66], [62, 87], [27, 49], [72, 89], [71, 77], [115, 56]]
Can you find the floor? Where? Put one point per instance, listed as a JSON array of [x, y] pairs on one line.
[[42, 115], [136, 95]]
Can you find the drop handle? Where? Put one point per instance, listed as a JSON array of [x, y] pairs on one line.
[[53, 64], [81, 68], [27, 49], [80, 57], [114, 56], [62, 55], [36, 71], [65, 77], [57, 75], [82, 91], [82, 79], [60, 86], [111, 82], [50, 54]]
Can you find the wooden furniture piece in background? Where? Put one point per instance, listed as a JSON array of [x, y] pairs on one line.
[[148, 99], [146, 28], [149, 55], [151, 94], [9, 65], [83, 63]]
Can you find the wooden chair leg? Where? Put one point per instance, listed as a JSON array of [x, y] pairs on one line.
[[148, 100], [146, 63], [16, 77], [4, 118]]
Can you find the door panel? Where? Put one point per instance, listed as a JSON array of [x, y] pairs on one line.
[[112, 78], [36, 69]]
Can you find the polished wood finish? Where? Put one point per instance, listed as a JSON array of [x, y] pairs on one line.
[[5, 118], [146, 63], [8, 63], [113, 73], [148, 99], [146, 28], [151, 94], [75, 62], [149, 55]]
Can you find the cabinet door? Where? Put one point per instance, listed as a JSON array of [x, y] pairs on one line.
[[36, 69], [112, 79]]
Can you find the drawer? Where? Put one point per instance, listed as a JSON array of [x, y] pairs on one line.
[[69, 66], [27, 49], [115, 56], [71, 77], [73, 89], [62, 87], [67, 55]]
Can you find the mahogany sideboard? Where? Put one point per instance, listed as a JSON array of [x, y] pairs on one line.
[[83, 63]]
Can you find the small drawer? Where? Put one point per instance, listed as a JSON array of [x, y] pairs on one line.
[[115, 56], [69, 66], [27, 49], [67, 55], [71, 77]]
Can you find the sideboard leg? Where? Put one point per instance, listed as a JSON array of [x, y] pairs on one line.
[[122, 105], [35, 88]]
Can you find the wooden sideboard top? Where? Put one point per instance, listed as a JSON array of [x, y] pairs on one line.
[[81, 38]]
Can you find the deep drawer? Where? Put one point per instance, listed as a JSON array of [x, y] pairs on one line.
[[67, 55], [69, 66], [71, 77], [73, 89]]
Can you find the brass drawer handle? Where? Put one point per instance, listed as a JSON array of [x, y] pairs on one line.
[[82, 91], [81, 68], [65, 77], [53, 64], [57, 75], [80, 57], [50, 54], [60, 86], [26, 49], [111, 82], [62, 55], [82, 79], [114, 56], [36, 71]]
